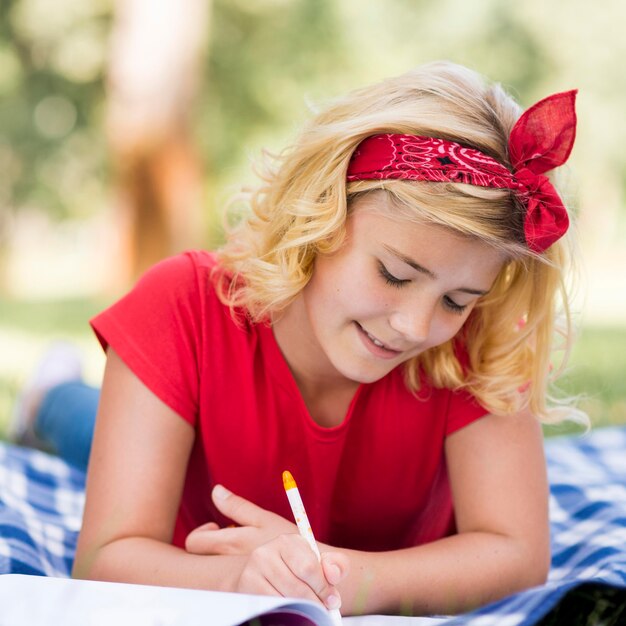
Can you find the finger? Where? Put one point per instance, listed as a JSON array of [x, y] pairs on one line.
[[252, 581], [304, 565], [197, 541], [236, 540], [241, 510], [267, 563], [207, 526], [335, 566]]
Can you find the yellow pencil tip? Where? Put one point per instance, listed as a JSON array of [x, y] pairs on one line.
[[288, 480]]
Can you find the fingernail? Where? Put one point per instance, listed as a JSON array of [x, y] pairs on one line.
[[220, 492], [333, 602]]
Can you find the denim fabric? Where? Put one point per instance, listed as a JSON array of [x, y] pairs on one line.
[[66, 421]]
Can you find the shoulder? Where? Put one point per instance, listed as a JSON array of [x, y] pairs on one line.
[[175, 294], [166, 327], [183, 281]]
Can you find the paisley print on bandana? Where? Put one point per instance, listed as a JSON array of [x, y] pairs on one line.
[[541, 140], [426, 158]]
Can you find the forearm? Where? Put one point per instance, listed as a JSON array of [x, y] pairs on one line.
[[452, 575], [147, 561]]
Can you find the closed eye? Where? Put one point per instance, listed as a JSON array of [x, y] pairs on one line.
[[390, 279], [453, 306]]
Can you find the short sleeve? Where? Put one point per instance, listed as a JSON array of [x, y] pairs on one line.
[[156, 329], [463, 409]]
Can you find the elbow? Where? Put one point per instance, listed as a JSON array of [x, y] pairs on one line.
[[95, 567], [535, 577], [542, 561], [80, 570], [528, 566], [90, 562], [539, 571], [535, 568], [83, 566]]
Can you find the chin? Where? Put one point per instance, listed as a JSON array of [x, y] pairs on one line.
[[365, 375]]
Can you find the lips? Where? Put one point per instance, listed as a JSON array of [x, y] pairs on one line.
[[375, 345], [376, 341]]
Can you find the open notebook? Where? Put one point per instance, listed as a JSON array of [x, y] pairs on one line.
[[41, 506], [47, 601], [43, 601]]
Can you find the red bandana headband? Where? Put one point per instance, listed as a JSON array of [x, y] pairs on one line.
[[541, 140]]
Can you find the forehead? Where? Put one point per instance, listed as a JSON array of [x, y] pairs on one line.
[[380, 208], [386, 204], [376, 225]]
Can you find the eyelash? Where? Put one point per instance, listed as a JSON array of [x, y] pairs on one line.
[[398, 283], [390, 279], [453, 306]]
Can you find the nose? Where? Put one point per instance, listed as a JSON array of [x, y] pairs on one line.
[[413, 321]]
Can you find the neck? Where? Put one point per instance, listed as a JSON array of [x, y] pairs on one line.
[[313, 372]]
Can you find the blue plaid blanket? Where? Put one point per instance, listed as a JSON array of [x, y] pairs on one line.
[[41, 508], [41, 501]]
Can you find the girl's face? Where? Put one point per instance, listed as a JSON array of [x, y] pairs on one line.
[[393, 290]]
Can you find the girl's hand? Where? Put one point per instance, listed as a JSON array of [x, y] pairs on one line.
[[256, 527], [280, 561], [286, 566]]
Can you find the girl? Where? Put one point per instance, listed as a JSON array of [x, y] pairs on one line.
[[380, 325]]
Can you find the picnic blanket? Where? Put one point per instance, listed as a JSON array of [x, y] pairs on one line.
[[41, 501]]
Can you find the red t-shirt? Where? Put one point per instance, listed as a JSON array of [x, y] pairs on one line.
[[375, 482]]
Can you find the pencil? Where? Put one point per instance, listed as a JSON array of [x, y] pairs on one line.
[[304, 527]]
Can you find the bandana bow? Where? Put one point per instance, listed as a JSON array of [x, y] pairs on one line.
[[541, 139]]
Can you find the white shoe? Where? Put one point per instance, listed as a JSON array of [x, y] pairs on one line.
[[60, 364]]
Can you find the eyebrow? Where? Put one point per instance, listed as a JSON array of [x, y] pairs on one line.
[[423, 270]]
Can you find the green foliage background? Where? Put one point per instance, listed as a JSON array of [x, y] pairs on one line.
[[267, 63], [266, 59]]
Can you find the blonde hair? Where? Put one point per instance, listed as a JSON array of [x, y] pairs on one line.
[[301, 207]]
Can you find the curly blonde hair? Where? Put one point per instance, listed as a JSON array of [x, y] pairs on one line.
[[300, 210]]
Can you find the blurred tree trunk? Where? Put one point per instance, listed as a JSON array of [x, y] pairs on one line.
[[157, 50]]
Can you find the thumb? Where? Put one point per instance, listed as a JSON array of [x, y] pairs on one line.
[[197, 535], [238, 509], [335, 566], [207, 526]]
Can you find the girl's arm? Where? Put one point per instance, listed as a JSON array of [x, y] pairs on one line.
[[498, 480], [499, 487], [136, 475]]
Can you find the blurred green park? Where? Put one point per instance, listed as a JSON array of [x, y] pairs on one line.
[[258, 70]]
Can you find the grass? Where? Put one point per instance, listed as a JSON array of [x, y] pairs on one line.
[[597, 370], [49, 317], [597, 373], [27, 328]]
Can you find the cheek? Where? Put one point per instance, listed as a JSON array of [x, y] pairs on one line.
[[447, 327], [329, 293], [347, 288]]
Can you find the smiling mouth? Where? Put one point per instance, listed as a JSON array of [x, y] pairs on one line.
[[375, 341], [376, 345]]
